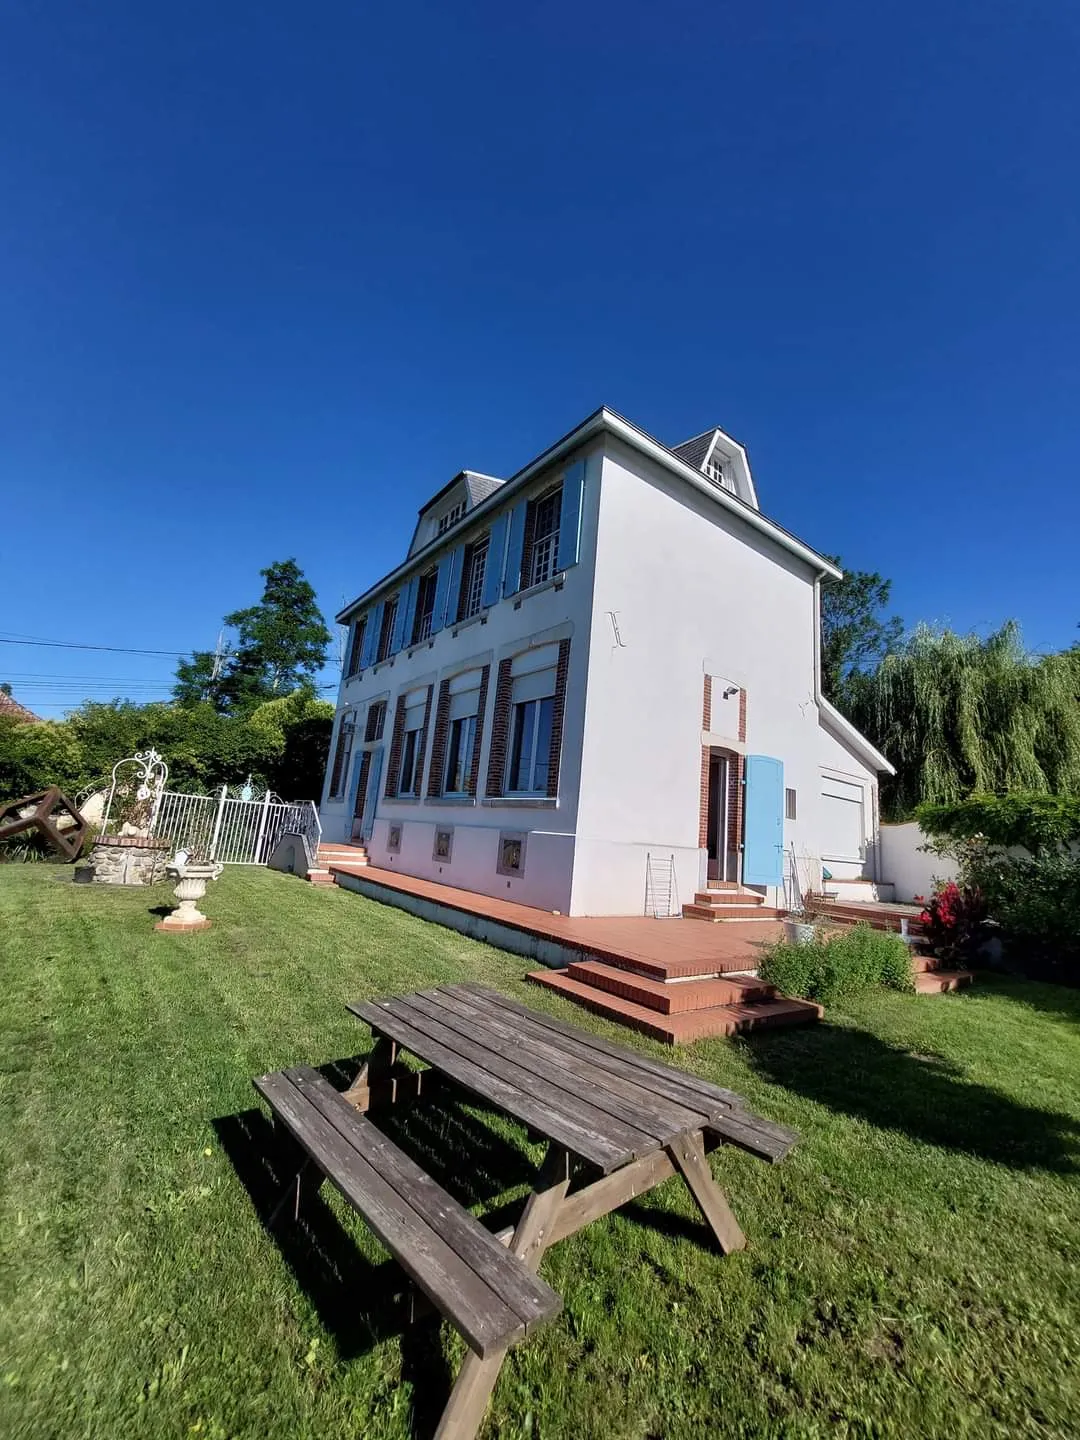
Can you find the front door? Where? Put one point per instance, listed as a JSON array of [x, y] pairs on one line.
[[763, 825], [717, 823], [360, 794]]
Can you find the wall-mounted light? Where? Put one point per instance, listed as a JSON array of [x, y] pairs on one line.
[[730, 691]]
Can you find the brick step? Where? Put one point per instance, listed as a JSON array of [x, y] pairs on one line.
[[681, 1029], [320, 878], [715, 967], [731, 896], [922, 962], [936, 982], [343, 852], [670, 998], [718, 914]]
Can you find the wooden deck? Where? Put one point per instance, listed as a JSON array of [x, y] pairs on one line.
[[664, 949]]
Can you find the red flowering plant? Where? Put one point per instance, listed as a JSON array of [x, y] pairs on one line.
[[954, 920]]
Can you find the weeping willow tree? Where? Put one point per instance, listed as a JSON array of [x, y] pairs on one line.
[[960, 713]]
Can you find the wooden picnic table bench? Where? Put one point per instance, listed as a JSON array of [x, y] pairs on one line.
[[617, 1123]]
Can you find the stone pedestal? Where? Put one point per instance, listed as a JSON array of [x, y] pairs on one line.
[[128, 860], [191, 882]]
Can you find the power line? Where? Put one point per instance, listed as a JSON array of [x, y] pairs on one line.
[[113, 649]]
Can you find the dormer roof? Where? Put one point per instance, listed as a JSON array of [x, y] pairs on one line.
[[451, 504], [722, 460]]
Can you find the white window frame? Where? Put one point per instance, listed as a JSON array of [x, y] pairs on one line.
[[412, 735], [463, 754], [544, 556], [518, 709], [452, 516], [386, 629], [422, 623], [473, 589], [345, 745]]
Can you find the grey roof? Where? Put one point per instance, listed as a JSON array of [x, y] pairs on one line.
[[480, 486], [694, 451]]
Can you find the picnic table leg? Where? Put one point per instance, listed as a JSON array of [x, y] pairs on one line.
[[687, 1151], [374, 1072], [476, 1378]]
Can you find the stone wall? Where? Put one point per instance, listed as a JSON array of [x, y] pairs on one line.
[[128, 860]]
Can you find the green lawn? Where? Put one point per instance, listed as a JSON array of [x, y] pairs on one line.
[[912, 1267]]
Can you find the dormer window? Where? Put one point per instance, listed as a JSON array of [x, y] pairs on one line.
[[452, 516], [715, 471]]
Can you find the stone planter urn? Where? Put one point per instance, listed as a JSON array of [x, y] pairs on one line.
[[192, 878], [800, 932]]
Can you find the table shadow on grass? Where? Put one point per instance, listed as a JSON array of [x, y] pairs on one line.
[[361, 1302], [924, 1097]]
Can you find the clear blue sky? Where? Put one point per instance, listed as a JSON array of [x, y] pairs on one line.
[[270, 274]]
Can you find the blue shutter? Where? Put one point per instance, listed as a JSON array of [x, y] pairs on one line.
[[397, 634], [763, 823], [453, 591], [570, 515], [407, 611], [512, 580], [371, 635], [442, 592], [494, 570], [371, 799]]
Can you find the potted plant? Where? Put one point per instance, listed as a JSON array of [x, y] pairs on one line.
[[192, 873], [801, 925]]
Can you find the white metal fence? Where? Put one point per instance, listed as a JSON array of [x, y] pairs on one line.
[[234, 831]]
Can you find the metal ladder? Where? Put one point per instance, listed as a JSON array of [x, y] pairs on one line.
[[661, 888]]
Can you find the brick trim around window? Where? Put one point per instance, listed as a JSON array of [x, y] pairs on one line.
[[421, 745], [500, 730], [393, 760], [481, 707], [706, 705], [562, 670], [438, 742], [742, 716]]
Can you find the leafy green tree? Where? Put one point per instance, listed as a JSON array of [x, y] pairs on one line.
[[855, 634], [280, 646], [963, 714]]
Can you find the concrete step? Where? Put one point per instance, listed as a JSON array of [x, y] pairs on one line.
[[936, 982], [730, 896], [682, 1028], [668, 997], [719, 914]]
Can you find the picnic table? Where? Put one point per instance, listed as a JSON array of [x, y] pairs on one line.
[[616, 1123]]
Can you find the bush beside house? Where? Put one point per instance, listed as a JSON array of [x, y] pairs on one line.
[[834, 966]]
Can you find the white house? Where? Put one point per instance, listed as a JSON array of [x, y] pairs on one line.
[[603, 665]]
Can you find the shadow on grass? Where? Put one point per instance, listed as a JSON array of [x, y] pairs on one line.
[[361, 1302], [1046, 996], [922, 1096]]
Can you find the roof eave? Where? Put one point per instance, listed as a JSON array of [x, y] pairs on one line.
[[610, 421], [843, 727]]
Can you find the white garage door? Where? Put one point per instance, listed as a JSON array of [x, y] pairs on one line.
[[842, 820]]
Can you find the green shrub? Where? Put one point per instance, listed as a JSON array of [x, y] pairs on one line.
[[839, 965], [1037, 822], [1035, 902]]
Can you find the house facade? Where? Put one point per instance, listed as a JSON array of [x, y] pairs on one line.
[[597, 677]]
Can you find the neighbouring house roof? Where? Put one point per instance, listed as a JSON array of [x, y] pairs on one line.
[[846, 733], [14, 711], [611, 422]]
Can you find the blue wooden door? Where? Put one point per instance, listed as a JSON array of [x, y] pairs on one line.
[[763, 821]]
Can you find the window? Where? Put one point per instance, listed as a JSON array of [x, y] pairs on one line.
[[544, 532], [386, 630], [530, 747], [459, 753], [425, 607], [790, 806], [342, 755], [376, 721], [472, 584], [452, 516], [408, 777], [356, 648]]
